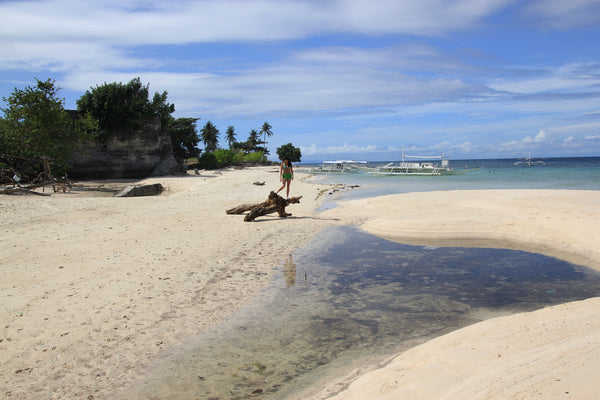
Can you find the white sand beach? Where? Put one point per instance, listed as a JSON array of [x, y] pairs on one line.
[[93, 287]]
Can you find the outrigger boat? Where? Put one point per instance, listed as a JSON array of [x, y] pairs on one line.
[[529, 162], [423, 167], [338, 167]]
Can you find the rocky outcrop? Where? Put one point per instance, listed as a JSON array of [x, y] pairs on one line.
[[139, 191], [137, 153]]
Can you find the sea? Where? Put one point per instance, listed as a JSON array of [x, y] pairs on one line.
[[572, 173], [349, 300]]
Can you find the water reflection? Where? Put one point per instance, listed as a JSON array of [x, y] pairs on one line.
[[289, 271], [361, 295]]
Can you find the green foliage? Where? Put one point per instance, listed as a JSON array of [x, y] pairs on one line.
[[119, 106], [231, 136], [255, 157], [252, 144], [225, 157], [210, 137], [266, 131], [207, 161], [253, 138], [289, 152], [36, 125], [184, 137], [221, 158]]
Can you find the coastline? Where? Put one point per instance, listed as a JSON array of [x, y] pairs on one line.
[[550, 353], [93, 288]]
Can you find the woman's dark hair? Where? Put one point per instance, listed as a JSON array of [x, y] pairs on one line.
[[289, 163]]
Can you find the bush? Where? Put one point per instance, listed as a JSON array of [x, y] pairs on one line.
[[256, 157], [207, 161], [225, 157]]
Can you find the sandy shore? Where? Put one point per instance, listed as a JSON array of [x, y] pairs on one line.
[[93, 287]]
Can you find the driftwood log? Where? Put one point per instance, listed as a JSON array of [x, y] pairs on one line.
[[57, 185], [22, 190], [274, 203]]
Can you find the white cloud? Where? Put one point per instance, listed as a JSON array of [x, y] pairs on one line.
[[346, 148], [574, 77], [560, 14], [466, 148], [541, 137], [179, 21]]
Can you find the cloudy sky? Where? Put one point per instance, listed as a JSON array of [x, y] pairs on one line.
[[353, 79]]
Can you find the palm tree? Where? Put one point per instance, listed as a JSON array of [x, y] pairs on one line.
[[266, 131], [253, 140], [230, 136], [210, 137]]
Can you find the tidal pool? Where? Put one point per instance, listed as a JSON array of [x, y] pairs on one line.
[[350, 298]]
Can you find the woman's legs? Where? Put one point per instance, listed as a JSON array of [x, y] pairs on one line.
[[282, 186], [286, 182]]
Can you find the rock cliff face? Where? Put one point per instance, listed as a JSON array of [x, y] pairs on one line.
[[145, 151]]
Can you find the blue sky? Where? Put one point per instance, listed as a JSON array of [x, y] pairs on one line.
[[352, 79]]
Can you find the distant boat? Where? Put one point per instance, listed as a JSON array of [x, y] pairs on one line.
[[338, 167], [426, 166], [529, 162]]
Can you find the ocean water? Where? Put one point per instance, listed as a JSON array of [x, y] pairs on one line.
[[579, 173]]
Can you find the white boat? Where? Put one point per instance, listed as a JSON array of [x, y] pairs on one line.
[[338, 167], [529, 162], [427, 165]]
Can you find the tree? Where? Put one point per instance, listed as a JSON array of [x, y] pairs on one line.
[[266, 131], [210, 137], [36, 126], [119, 106], [231, 136], [184, 138], [253, 138], [289, 152]]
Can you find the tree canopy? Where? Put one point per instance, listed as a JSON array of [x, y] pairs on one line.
[[231, 136], [36, 125], [184, 138], [289, 152], [119, 106], [210, 137]]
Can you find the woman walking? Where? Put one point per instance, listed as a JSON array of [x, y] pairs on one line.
[[286, 174]]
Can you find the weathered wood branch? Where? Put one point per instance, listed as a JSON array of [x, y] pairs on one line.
[[274, 203], [57, 184], [21, 190]]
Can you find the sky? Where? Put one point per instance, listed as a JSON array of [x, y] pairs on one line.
[[340, 79]]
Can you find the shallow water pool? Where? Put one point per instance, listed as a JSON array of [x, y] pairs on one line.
[[350, 298]]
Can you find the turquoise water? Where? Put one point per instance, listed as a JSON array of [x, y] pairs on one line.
[[581, 173]]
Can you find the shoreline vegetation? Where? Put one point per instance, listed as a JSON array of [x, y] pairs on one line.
[[94, 287]]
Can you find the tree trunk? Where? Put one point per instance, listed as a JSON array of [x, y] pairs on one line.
[[274, 203]]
